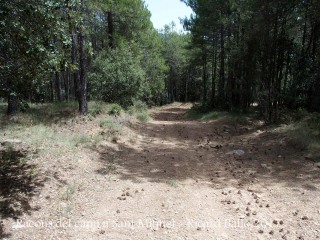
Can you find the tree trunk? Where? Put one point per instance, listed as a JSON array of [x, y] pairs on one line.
[[186, 86], [13, 104], [83, 105], [74, 59], [204, 77], [214, 73], [58, 86], [67, 85], [110, 29], [222, 77]]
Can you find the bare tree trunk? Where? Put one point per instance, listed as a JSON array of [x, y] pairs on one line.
[[83, 105], [222, 76], [74, 59], [13, 104], [214, 72], [204, 76], [110, 29], [58, 86], [186, 86]]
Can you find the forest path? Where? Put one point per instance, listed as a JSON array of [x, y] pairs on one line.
[[177, 178], [186, 179]]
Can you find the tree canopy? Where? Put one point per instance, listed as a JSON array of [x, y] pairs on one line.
[[233, 54]]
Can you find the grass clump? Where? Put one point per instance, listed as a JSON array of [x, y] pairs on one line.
[[140, 106], [115, 109], [68, 193], [305, 135], [110, 124], [139, 109], [143, 117], [81, 139], [205, 114], [96, 108], [172, 182], [111, 129]]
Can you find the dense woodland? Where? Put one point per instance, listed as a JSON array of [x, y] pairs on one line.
[[233, 54]]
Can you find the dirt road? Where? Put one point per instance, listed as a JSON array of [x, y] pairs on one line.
[[176, 178]]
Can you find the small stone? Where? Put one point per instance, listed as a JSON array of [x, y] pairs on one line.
[[260, 231], [305, 218], [271, 232], [275, 222], [118, 211]]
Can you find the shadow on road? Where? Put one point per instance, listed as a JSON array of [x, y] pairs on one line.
[[19, 183], [174, 147]]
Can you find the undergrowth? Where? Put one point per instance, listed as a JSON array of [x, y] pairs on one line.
[[204, 114], [305, 134]]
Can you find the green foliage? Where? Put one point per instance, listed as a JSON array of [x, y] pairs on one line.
[[253, 58], [110, 124], [115, 109], [81, 139], [139, 110], [27, 31], [139, 106], [96, 108], [177, 58], [24, 106], [143, 117], [305, 134], [117, 76], [205, 114]]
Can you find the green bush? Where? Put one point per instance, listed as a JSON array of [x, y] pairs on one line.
[[115, 109], [81, 139], [95, 109], [139, 106], [24, 106], [117, 76], [110, 124], [143, 117]]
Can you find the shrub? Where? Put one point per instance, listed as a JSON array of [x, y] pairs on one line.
[[117, 76], [96, 109], [140, 106], [110, 124], [115, 109], [143, 117]]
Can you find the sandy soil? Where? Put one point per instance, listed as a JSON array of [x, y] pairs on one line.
[[173, 178]]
